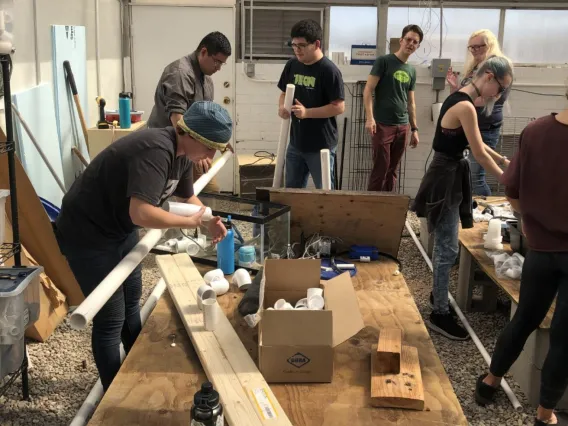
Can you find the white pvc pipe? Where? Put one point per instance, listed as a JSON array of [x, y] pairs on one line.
[[283, 140], [516, 404], [97, 47], [84, 314], [206, 178], [325, 157], [39, 150], [97, 392], [185, 209]]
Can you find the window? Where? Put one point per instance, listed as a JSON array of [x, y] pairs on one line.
[[271, 29], [351, 25], [528, 40], [458, 26]]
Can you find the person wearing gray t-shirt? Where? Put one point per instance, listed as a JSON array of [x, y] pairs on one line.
[[188, 80]]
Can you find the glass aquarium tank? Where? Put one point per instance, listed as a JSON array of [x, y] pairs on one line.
[[261, 231]]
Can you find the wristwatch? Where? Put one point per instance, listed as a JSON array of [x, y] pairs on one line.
[[503, 160], [414, 129]]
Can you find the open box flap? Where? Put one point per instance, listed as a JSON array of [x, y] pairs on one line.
[[292, 274], [340, 298]]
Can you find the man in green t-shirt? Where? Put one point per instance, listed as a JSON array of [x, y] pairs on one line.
[[392, 80]]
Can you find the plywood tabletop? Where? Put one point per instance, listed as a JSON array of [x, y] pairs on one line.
[[156, 382], [472, 240]]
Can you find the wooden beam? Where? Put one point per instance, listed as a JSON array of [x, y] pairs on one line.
[[388, 351], [246, 397], [403, 390]]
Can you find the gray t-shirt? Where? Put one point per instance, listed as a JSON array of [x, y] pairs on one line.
[[144, 165], [181, 84]]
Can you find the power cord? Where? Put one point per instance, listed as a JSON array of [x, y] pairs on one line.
[[263, 155]]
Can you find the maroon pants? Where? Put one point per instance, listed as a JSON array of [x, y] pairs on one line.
[[389, 143]]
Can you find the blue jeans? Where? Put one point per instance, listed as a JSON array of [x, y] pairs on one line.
[[119, 318], [444, 256], [299, 165], [478, 182]]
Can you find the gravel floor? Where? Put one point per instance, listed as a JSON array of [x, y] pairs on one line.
[[63, 370]]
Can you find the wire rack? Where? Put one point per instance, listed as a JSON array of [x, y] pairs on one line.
[[360, 146], [508, 145]]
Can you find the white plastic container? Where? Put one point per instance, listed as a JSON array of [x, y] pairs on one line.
[[14, 311], [4, 193]]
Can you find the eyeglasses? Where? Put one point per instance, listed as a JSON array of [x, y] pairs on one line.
[[299, 46], [476, 47], [501, 88], [218, 63], [411, 41]]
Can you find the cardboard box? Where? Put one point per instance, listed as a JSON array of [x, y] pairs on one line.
[[296, 346]]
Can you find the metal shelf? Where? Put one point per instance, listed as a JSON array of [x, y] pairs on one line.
[[6, 147], [7, 250]]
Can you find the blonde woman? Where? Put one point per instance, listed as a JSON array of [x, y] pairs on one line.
[[481, 45]]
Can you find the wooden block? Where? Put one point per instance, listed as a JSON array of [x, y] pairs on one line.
[[403, 390], [388, 351], [245, 395]]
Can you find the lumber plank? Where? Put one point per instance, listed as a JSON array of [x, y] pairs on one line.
[[388, 351], [357, 217], [403, 390], [241, 386], [36, 231]]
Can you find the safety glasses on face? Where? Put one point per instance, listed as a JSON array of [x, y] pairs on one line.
[[217, 62], [412, 41], [299, 46], [501, 87], [476, 47]]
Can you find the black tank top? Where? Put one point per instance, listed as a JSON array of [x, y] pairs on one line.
[[451, 142]]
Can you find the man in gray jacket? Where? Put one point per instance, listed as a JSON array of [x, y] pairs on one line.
[[188, 80]]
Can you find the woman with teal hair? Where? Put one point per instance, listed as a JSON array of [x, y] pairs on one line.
[[445, 194]]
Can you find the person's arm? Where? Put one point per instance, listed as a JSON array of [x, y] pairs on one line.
[[414, 139], [372, 81], [498, 158], [467, 116], [174, 118], [515, 204], [282, 112], [282, 83], [146, 215], [332, 109], [179, 92], [511, 178]]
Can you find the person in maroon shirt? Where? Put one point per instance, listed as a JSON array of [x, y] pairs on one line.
[[536, 187]]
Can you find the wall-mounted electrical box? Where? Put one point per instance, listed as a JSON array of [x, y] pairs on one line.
[[439, 69]]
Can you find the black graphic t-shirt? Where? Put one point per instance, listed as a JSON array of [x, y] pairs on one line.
[[144, 165], [317, 85]]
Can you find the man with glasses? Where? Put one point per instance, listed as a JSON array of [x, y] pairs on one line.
[[319, 98], [392, 80], [188, 80]]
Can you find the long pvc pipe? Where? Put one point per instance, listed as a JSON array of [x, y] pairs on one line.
[[97, 391], [516, 404], [84, 314], [283, 140], [39, 150], [325, 169], [98, 47]]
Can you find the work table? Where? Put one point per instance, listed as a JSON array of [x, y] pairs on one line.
[[157, 381]]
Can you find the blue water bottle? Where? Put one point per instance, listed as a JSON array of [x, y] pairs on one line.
[[226, 250], [124, 110]]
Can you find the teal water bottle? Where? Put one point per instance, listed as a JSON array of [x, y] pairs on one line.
[[124, 110], [226, 250]]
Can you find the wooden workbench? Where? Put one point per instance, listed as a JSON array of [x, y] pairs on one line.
[[472, 252], [156, 383]]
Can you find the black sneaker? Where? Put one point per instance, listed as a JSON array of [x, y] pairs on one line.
[[450, 307], [484, 393], [447, 325]]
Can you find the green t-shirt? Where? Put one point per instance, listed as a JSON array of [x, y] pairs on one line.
[[396, 79]]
